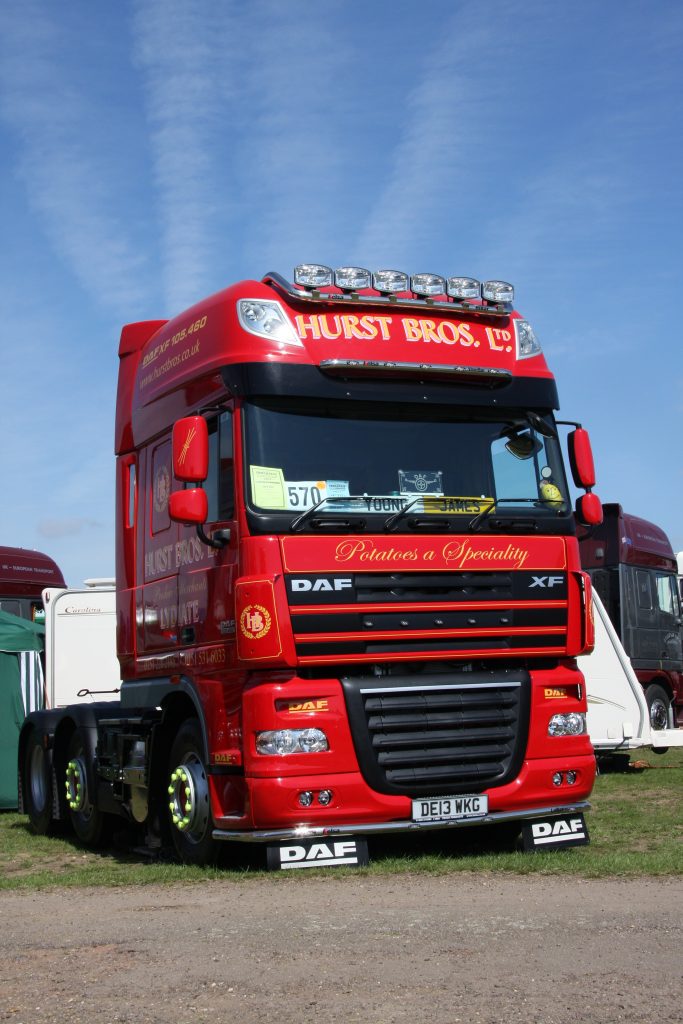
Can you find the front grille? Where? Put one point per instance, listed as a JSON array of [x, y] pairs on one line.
[[447, 734], [363, 616]]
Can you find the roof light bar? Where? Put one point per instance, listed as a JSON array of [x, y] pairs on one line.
[[428, 284], [463, 288], [498, 291], [352, 278], [313, 275], [390, 281]]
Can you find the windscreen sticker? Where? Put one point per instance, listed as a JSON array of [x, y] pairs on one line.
[[304, 494], [268, 487], [451, 506], [420, 481]]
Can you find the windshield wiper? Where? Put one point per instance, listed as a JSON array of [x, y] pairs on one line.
[[493, 505], [397, 516], [297, 523]]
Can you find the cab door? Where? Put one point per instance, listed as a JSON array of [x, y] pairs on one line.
[[206, 573]]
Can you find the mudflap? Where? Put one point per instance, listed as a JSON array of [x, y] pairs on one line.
[[555, 833], [318, 853]]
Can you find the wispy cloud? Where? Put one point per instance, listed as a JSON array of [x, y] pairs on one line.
[[187, 57], [69, 527], [452, 132], [70, 187]]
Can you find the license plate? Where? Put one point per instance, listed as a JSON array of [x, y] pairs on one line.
[[448, 808]]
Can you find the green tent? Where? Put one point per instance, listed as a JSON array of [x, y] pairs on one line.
[[20, 690]]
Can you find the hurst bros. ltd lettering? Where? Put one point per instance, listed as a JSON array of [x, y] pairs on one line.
[[349, 327], [169, 557]]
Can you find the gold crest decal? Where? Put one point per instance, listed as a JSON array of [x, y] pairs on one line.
[[255, 622]]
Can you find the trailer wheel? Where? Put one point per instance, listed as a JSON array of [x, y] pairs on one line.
[[188, 798], [659, 705], [37, 775], [87, 820]]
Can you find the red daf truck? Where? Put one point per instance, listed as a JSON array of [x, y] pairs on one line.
[[634, 569], [23, 576], [349, 594]]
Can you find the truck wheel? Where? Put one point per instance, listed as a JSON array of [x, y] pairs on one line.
[[37, 781], [659, 705], [188, 798], [86, 818]]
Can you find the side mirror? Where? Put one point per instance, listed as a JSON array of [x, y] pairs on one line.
[[189, 507], [588, 509], [191, 451], [581, 458]]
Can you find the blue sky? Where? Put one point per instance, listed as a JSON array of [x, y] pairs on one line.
[[154, 151]]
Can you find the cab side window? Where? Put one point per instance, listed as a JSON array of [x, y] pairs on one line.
[[220, 485]]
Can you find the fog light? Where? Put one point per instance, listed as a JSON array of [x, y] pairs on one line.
[[557, 779], [571, 778], [498, 291], [325, 797], [573, 724], [306, 798], [389, 281], [428, 284], [313, 275], [352, 278], [464, 288]]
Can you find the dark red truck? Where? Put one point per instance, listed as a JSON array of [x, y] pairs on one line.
[[634, 569], [24, 574]]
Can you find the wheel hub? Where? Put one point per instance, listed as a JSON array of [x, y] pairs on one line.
[[76, 784], [189, 798]]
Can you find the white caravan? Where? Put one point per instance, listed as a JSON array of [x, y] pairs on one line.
[[80, 643], [618, 717]]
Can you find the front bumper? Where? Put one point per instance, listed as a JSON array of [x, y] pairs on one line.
[[391, 827]]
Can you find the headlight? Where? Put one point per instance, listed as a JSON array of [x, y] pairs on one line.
[[291, 741], [527, 342], [266, 319], [498, 291], [573, 724]]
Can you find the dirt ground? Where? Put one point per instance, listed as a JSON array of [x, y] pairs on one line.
[[467, 948]]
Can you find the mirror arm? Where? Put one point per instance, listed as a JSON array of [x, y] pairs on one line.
[[218, 540]]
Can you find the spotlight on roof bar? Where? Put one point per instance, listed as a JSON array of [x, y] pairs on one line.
[[389, 281], [463, 288], [498, 291], [428, 284], [313, 275], [352, 278]]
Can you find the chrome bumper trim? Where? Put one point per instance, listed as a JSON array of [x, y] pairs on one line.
[[388, 827]]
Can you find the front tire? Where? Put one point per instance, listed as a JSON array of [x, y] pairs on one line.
[[659, 708], [189, 806]]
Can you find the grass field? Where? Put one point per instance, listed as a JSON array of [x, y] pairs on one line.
[[636, 828]]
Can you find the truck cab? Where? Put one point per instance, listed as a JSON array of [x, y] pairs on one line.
[[634, 569], [349, 597]]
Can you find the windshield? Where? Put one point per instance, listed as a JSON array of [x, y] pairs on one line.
[[412, 466]]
